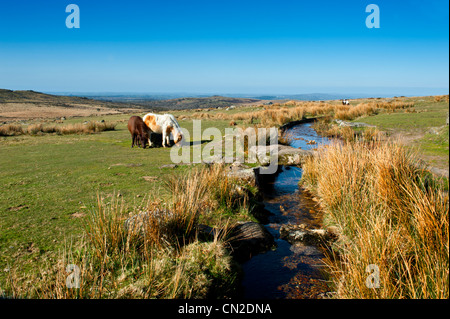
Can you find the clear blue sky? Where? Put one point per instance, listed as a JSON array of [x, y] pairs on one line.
[[232, 46]]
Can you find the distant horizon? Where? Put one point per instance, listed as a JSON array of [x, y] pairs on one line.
[[386, 92], [417, 92]]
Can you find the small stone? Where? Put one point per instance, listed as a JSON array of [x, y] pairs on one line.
[[169, 166]]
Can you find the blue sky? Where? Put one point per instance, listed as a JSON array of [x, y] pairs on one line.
[[215, 46]]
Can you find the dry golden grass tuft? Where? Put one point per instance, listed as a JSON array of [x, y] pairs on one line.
[[391, 213], [39, 129], [11, 130], [279, 114], [441, 98]]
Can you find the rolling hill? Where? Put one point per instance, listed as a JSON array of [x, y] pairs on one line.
[[25, 105]]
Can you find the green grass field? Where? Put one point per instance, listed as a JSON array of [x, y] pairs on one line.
[[425, 114], [423, 127], [50, 182]]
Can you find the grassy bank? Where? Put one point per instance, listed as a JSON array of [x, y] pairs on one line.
[[391, 212], [163, 257]]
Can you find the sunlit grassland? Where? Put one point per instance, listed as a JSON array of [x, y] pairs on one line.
[[425, 113], [422, 128], [50, 183], [156, 254]]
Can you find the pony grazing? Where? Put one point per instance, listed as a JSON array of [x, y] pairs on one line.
[[345, 102], [164, 124], [140, 133]]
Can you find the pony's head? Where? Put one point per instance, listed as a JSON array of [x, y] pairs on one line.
[[177, 136]]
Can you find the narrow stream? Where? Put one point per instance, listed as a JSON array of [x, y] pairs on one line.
[[289, 271]]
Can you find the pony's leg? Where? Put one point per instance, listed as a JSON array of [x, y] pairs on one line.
[[133, 138], [164, 138], [150, 144]]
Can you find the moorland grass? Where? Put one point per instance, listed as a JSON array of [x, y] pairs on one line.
[[160, 258], [390, 212], [51, 182], [49, 191], [39, 128]]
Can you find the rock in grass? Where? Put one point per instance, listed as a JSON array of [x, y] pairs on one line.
[[169, 166]]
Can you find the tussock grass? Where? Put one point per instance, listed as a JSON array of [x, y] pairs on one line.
[[156, 256], [39, 129], [441, 98], [89, 128], [348, 134], [391, 213], [280, 114], [11, 130]]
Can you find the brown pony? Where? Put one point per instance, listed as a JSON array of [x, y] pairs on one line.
[[140, 132]]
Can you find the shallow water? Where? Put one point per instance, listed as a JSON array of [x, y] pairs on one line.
[[289, 271], [300, 135]]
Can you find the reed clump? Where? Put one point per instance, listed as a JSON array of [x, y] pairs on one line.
[[40, 129], [11, 130], [280, 114], [391, 213]]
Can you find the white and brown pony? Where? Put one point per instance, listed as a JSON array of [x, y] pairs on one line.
[[164, 124]]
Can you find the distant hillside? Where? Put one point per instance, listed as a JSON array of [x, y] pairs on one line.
[[162, 102], [9, 96], [194, 102], [201, 99], [27, 105]]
